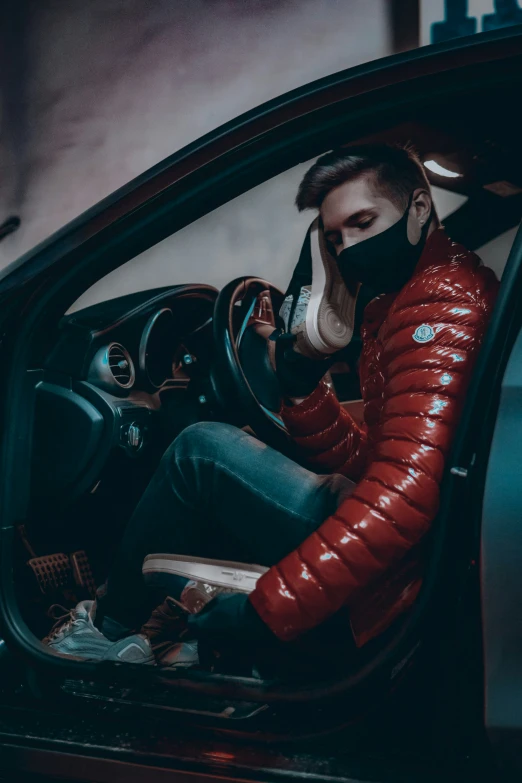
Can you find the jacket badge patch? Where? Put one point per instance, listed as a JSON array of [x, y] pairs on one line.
[[423, 334]]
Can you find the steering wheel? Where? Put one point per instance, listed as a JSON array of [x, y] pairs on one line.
[[243, 377]]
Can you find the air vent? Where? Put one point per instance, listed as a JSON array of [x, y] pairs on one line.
[[120, 365]]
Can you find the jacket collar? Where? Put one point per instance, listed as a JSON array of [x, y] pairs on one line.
[[438, 248]]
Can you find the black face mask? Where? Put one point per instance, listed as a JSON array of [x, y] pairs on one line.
[[386, 261]]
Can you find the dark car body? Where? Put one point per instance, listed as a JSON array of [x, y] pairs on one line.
[[74, 720]]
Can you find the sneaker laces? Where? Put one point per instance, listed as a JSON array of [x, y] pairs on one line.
[[63, 621], [163, 627]]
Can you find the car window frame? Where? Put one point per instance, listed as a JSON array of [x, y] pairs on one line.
[[121, 227]]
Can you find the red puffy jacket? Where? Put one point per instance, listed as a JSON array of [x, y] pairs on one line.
[[419, 347]]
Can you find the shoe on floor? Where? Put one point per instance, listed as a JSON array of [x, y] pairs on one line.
[[163, 630], [77, 635], [183, 655], [324, 315], [165, 624]]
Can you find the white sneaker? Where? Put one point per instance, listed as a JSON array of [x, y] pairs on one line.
[[324, 317], [79, 636]]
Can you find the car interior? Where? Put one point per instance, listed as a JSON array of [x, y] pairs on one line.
[[123, 377]]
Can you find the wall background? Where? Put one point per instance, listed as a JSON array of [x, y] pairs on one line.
[[99, 91], [94, 93]]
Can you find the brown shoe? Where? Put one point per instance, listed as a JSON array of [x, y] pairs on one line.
[[165, 625]]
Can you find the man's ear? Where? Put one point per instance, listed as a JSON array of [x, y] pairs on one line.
[[423, 204]]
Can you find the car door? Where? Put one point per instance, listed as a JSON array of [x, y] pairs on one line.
[[501, 557]]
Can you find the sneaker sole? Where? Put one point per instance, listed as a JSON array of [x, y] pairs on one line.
[[240, 577], [330, 314]]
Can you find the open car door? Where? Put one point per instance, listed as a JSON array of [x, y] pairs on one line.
[[501, 558]]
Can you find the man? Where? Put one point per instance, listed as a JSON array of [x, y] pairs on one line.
[[343, 539]]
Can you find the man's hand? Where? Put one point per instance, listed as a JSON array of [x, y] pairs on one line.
[[263, 312], [297, 374]]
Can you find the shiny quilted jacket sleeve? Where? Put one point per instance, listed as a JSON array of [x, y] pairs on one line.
[[326, 434], [425, 374]]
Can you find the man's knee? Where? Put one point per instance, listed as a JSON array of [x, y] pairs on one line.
[[206, 439]]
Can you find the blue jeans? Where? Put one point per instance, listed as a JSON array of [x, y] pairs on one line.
[[219, 493]]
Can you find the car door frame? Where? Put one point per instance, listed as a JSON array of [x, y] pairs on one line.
[[501, 566]]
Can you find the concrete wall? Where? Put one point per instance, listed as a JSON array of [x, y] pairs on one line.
[[110, 87]]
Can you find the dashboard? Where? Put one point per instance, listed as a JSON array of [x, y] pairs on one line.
[[116, 384], [151, 360]]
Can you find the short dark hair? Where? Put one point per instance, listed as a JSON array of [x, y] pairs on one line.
[[396, 169]]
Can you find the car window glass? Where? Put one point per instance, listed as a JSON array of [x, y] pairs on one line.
[[495, 253], [446, 201], [258, 233]]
